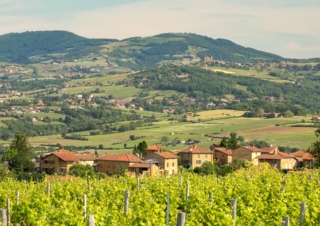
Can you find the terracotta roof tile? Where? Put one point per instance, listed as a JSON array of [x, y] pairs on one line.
[[167, 155], [66, 156], [84, 157], [269, 149], [154, 147], [140, 165], [278, 155], [223, 150], [253, 149], [303, 155], [196, 150], [120, 157]]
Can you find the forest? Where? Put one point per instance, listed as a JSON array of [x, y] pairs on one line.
[[200, 83]]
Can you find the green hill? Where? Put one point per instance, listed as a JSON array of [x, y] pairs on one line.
[[19, 47], [182, 48], [133, 53]]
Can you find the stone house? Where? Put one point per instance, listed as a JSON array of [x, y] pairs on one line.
[[165, 161], [222, 155], [195, 156], [108, 163], [279, 160], [153, 148], [248, 153], [60, 161], [304, 159]]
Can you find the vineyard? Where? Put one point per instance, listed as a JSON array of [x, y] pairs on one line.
[[263, 197]]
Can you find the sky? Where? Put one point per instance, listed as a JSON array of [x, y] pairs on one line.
[[284, 27]]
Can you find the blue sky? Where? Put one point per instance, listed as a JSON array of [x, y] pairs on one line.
[[285, 27]]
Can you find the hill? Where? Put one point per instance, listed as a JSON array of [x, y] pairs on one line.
[[182, 48], [133, 53], [19, 47], [204, 84]]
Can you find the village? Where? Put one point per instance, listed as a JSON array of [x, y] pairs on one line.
[[158, 162]]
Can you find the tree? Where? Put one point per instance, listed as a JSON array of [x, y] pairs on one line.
[[135, 150], [165, 139], [125, 145], [288, 114], [80, 170], [224, 142], [314, 149], [260, 112], [142, 147], [208, 168], [20, 152], [233, 141], [132, 137], [120, 171], [100, 146]]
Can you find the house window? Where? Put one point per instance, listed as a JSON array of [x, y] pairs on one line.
[[167, 164], [198, 161], [198, 155], [172, 171], [206, 155], [181, 155], [45, 162], [173, 164], [186, 161]]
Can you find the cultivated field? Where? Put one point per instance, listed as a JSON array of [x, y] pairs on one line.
[[218, 125]]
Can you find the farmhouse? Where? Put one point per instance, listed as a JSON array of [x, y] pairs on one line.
[[248, 153], [144, 168], [60, 161], [109, 163], [279, 160], [165, 160], [222, 155], [195, 156], [153, 148], [315, 119], [304, 159]]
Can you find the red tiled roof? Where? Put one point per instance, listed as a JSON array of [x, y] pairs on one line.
[[252, 148], [299, 153], [120, 157], [175, 152], [66, 156], [223, 150], [85, 157], [167, 155], [269, 149], [278, 155], [196, 150], [154, 147], [303, 155], [140, 165]]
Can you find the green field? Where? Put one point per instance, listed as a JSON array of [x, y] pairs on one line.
[[249, 73], [281, 135]]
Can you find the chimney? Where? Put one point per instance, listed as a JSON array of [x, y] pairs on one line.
[[270, 145]]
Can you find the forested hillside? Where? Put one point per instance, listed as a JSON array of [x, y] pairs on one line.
[[133, 53], [18, 47], [200, 83]]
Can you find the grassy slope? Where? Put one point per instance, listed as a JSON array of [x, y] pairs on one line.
[[185, 130]]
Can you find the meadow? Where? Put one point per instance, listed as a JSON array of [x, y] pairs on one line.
[[213, 126]]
